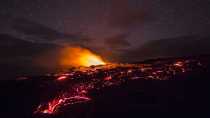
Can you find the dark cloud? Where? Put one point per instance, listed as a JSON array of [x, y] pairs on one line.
[[141, 20], [112, 47], [126, 19], [117, 42], [125, 14], [173, 47], [38, 30]]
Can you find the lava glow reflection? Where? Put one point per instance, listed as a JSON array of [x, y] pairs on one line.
[[76, 56]]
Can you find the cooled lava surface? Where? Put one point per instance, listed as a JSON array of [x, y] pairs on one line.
[[165, 87]]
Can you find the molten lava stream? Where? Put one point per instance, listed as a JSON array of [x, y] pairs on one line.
[[53, 106]]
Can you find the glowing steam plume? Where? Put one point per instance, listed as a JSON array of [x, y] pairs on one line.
[[76, 56]]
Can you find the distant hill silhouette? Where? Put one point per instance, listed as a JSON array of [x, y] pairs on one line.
[[18, 56], [172, 47], [12, 46]]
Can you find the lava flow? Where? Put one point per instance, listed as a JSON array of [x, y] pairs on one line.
[[74, 86], [53, 105]]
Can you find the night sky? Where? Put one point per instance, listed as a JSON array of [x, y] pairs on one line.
[[135, 21], [117, 26]]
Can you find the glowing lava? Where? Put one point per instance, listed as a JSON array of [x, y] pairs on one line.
[[61, 78], [86, 83], [52, 106], [77, 56]]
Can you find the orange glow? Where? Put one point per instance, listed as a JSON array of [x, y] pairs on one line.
[[52, 106], [77, 56], [61, 78], [178, 64], [108, 78]]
